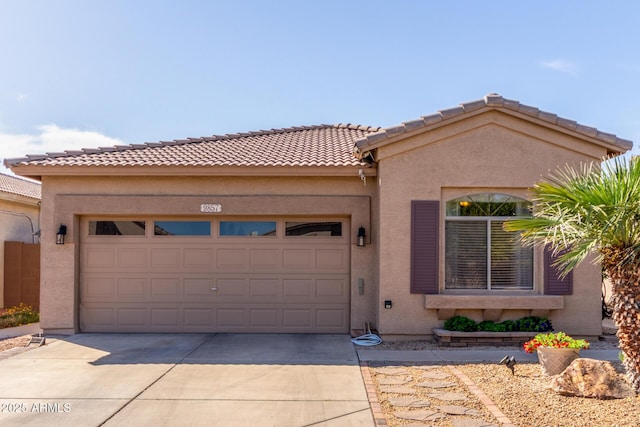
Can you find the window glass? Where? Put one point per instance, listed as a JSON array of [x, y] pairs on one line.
[[247, 228], [479, 254], [326, 228], [488, 204], [182, 228], [116, 228]]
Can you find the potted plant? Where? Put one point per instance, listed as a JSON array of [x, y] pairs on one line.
[[556, 350]]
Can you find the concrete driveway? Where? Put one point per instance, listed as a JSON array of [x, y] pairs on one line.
[[186, 379]]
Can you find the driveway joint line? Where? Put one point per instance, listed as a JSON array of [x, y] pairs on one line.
[[155, 381]]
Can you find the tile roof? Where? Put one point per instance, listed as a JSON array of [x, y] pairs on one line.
[[322, 145], [495, 101], [22, 187]]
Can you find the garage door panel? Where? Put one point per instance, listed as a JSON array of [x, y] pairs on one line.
[[298, 289], [297, 318], [268, 289], [334, 260], [134, 316], [264, 318], [230, 259], [198, 317], [165, 289], [97, 317], [165, 317], [330, 317], [132, 287], [229, 289], [166, 258], [231, 318], [332, 290], [133, 258], [99, 287], [197, 288], [99, 258], [265, 259], [198, 259], [298, 258]]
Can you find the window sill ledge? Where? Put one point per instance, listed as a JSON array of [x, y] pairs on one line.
[[493, 305]]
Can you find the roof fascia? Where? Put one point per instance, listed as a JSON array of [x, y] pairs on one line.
[[448, 117], [38, 171]]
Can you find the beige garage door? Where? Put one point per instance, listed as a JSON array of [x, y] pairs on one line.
[[222, 275]]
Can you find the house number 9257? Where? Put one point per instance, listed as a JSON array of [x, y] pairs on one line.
[[211, 208]]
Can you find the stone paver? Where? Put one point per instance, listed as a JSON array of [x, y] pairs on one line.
[[448, 396], [435, 376], [408, 402], [457, 410], [471, 422], [394, 380], [390, 370], [437, 384], [397, 389], [420, 415]]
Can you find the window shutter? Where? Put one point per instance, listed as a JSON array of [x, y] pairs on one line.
[[425, 215], [553, 284]]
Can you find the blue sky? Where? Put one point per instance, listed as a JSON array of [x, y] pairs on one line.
[[77, 74]]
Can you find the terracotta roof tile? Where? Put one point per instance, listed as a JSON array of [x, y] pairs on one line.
[[22, 187], [492, 100], [322, 145]]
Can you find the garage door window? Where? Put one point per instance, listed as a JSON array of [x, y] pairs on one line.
[[247, 228], [116, 228], [182, 228], [324, 228]]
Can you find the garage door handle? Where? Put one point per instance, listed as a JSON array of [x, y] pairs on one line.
[[214, 289]]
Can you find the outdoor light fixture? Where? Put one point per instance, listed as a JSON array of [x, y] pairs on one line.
[[361, 236], [62, 231]]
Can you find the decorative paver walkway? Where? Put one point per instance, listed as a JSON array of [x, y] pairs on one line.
[[429, 393]]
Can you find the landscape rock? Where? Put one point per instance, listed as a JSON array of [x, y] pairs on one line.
[[591, 378]]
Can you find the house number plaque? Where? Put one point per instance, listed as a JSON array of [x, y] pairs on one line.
[[211, 208]]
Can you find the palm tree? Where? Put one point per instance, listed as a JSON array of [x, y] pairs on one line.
[[595, 209]]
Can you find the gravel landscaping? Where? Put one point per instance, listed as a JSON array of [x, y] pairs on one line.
[[407, 397]]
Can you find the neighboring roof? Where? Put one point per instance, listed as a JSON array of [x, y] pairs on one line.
[[21, 187], [323, 145], [371, 141]]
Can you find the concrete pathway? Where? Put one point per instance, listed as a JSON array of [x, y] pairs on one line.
[[186, 379], [18, 331]]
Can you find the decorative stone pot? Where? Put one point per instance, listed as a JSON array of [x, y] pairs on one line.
[[555, 360]]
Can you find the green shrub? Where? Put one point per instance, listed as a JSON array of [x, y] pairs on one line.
[[533, 324], [526, 324], [461, 324], [491, 326], [19, 315]]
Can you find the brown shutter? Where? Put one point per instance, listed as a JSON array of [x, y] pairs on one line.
[[553, 284], [425, 228]]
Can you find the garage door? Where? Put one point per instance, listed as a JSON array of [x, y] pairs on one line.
[[222, 275]]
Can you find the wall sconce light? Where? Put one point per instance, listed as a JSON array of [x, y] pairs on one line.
[[62, 231], [361, 236]]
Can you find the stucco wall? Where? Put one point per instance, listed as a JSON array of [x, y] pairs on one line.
[[66, 199], [17, 216], [488, 153]]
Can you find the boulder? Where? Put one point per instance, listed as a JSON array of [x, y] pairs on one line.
[[591, 378]]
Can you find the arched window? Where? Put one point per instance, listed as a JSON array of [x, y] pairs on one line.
[[479, 254]]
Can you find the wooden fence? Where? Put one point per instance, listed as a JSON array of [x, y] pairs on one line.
[[22, 274]]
